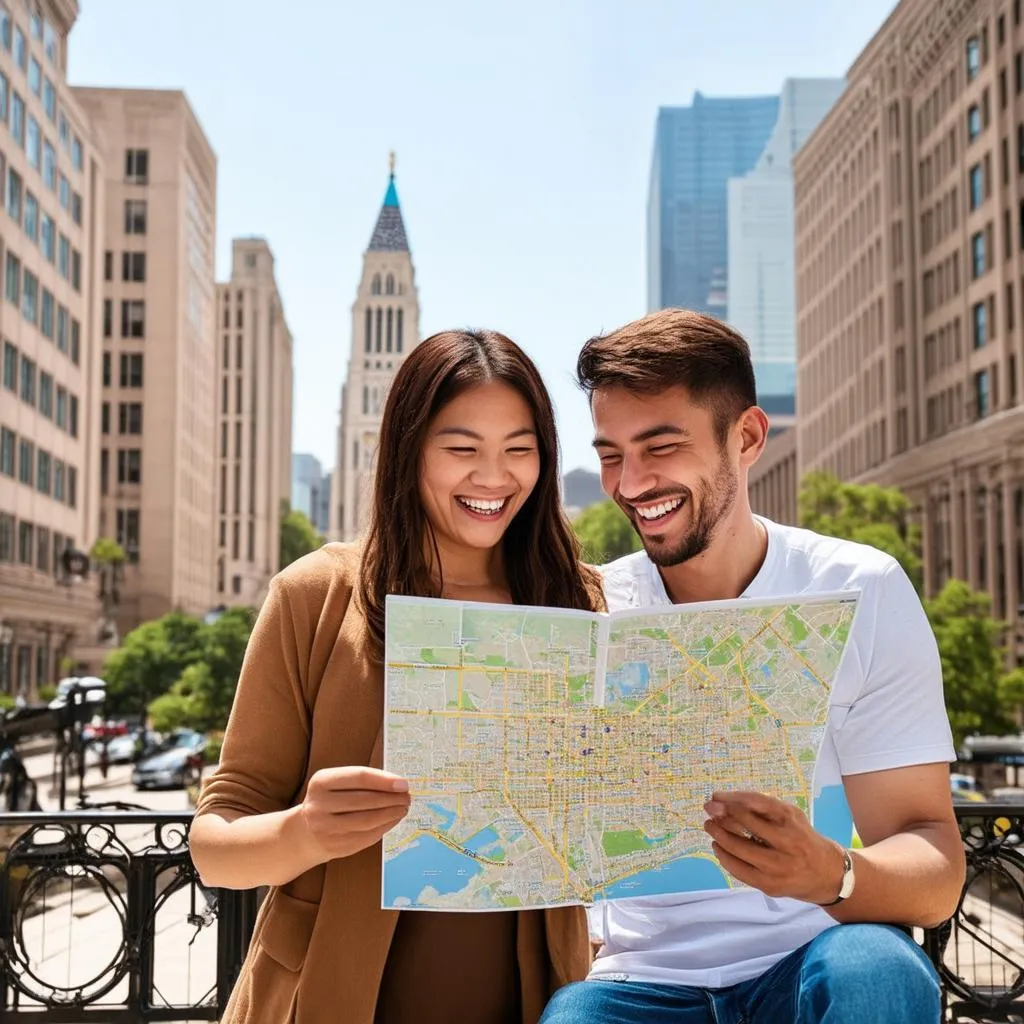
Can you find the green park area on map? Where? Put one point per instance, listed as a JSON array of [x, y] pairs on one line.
[[559, 757]]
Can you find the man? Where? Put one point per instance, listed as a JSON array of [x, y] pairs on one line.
[[677, 431]]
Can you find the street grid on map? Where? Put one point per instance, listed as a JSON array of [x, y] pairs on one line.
[[564, 757]]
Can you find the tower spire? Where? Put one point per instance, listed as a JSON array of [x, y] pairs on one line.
[[391, 164]]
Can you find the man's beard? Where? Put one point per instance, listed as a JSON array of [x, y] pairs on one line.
[[715, 501]]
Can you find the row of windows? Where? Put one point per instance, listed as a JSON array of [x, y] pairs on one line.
[[236, 539], [37, 389], [37, 468], [133, 318], [40, 308], [23, 208], [388, 285], [37, 547], [239, 351], [384, 332], [129, 418], [129, 467], [133, 266], [131, 365]]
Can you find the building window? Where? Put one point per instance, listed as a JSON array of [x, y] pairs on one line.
[[30, 297], [136, 166], [368, 345], [129, 465], [76, 208], [14, 190], [49, 166], [72, 477], [398, 331], [375, 285], [133, 266], [12, 279], [18, 118], [64, 257], [46, 394], [977, 254], [129, 418], [62, 407], [43, 473], [77, 157], [46, 325], [31, 225], [389, 285], [108, 266], [982, 396], [76, 341], [48, 237], [26, 553], [73, 415], [6, 537], [33, 143], [108, 318], [7, 441], [105, 418], [26, 461], [135, 216], [76, 270], [128, 532], [50, 100], [59, 476], [973, 58], [131, 369], [6, 25], [977, 186], [50, 42], [10, 367], [133, 318], [979, 316], [28, 381]]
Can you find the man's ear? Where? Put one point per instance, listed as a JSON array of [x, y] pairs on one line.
[[753, 435]]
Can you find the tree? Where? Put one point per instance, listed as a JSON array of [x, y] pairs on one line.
[[865, 513], [605, 533], [298, 535], [981, 695]]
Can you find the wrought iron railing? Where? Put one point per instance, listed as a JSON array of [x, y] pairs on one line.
[[150, 943], [103, 918]]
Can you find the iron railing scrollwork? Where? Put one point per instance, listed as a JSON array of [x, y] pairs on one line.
[[103, 917]]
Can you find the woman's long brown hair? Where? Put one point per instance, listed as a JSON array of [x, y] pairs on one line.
[[542, 555]]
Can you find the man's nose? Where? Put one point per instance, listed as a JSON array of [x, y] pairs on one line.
[[635, 478]]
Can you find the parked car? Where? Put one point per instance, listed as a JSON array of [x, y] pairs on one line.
[[94, 690], [177, 762]]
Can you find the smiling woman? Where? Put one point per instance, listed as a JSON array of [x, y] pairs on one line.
[[466, 505]]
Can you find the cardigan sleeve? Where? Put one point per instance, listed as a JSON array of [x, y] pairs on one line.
[[266, 745]]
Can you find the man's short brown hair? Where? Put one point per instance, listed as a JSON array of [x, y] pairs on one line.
[[674, 348]]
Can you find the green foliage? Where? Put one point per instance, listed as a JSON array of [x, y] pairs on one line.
[[980, 694], [865, 513], [179, 669], [605, 533], [107, 552], [6, 702], [47, 692], [298, 535]]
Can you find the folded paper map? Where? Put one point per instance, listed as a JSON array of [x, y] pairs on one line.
[[558, 757]]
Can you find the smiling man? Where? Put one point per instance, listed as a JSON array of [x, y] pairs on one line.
[[677, 432]]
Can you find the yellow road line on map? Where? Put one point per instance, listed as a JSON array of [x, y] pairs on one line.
[[807, 666]]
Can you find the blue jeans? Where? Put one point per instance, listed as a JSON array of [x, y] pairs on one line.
[[850, 974]]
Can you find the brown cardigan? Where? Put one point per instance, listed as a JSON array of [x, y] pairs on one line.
[[311, 697]]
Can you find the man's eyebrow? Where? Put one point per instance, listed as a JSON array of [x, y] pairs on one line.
[[661, 430]]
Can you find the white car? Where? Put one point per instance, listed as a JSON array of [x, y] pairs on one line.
[[95, 690]]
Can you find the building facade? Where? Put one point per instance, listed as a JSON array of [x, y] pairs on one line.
[[910, 298], [158, 463], [762, 290], [311, 489], [254, 424], [697, 149], [51, 236], [385, 326], [773, 484]]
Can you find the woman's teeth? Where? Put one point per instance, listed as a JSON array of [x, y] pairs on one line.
[[484, 508]]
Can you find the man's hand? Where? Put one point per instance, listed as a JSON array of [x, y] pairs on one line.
[[770, 845]]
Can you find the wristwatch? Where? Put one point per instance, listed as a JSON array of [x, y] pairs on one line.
[[846, 888]]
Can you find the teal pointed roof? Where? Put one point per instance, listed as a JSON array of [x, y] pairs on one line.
[[389, 232]]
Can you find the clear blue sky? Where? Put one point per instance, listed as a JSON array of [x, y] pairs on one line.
[[523, 136]]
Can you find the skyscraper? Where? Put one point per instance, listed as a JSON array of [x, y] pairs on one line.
[[254, 424], [697, 149], [159, 359], [385, 326], [762, 287]]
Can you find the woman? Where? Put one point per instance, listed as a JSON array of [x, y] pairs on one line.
[[466, 505]]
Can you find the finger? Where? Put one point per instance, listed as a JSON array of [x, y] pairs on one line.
[[767, 807], [365, 821], [742, 822], [735, 866], [762, 858], [359, 777], [345, 801]]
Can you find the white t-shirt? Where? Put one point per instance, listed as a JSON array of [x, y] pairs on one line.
[[886, 711]]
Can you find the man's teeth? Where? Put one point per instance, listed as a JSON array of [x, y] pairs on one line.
[[485, 507], [657, 511]]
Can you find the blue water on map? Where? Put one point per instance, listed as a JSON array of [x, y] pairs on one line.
[[483, 839], [683, 875], [631, 679], [832, 816], [447, 816], [427, 862]]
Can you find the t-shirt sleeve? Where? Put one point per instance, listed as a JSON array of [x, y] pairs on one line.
[[266, 744], [899, 717]]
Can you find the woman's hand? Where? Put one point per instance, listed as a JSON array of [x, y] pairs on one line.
[[345, 810]]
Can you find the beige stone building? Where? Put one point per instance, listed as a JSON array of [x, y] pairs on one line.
[[385, 326], [254, 424], [51, 235], [158, 463], [910, 297], [773, 484]]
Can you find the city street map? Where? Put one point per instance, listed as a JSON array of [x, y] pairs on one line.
[[564, 757]]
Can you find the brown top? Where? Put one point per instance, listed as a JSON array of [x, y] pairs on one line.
[[310, 696]]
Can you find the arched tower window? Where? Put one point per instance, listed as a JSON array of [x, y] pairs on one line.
[[366, 400], [375, 285], [380, 318], [389, 284], [368, 344], [398, 331], [391, 316]]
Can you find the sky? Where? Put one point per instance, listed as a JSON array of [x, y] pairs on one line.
[[523, 134]]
